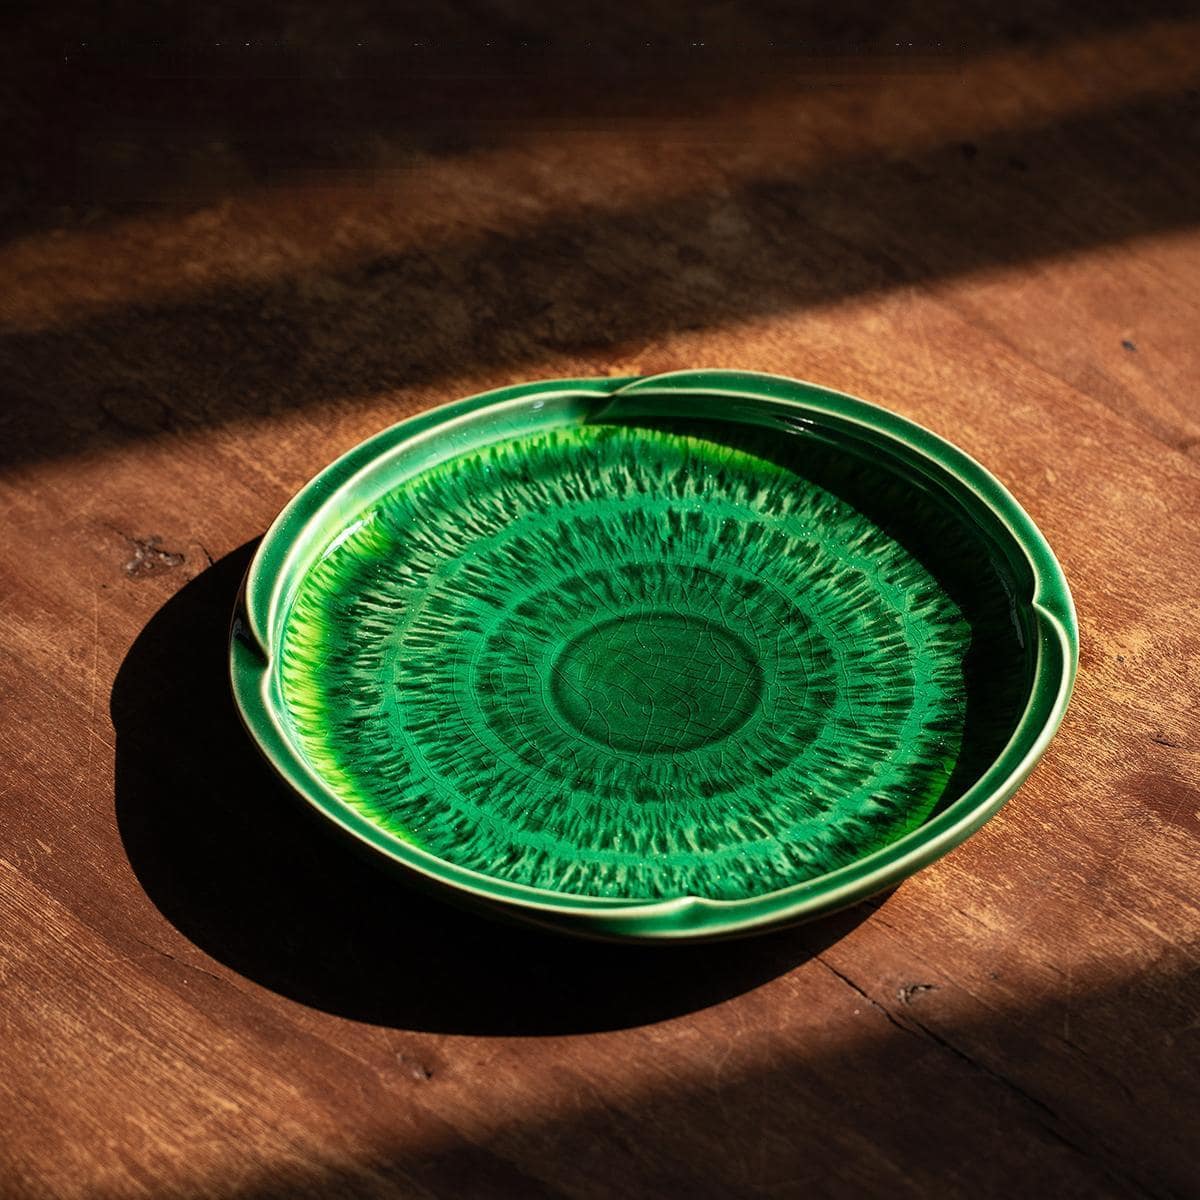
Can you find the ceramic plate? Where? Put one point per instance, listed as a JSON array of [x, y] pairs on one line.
[[669, 657]]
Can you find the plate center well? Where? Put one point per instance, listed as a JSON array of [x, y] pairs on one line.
[[656, 682]]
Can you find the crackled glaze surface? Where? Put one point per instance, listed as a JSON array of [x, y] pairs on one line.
[[622, 661], [666, 657]]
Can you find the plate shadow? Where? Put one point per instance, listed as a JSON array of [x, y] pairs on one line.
[[255, 879]]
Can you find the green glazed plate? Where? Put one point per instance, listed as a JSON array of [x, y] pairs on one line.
[[672, 657]]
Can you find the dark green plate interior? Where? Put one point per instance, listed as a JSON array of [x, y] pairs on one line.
[[639, 652]]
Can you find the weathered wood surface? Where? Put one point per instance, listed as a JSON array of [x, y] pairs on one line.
[[201, 996]]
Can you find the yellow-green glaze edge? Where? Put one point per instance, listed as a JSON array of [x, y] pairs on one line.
[[291, 541]]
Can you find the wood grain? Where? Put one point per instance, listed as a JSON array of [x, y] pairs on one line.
[[204, 995]]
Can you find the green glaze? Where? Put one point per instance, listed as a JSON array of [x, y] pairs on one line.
[[622, 662], [684, 656]]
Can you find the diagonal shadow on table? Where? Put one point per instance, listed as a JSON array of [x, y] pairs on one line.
[[933, 1095], [262, 884], [172, 107], [585, 289]]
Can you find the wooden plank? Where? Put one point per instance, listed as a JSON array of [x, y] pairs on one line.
[[205, 995]]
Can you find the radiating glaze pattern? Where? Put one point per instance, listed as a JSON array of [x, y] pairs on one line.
[[628, 662]]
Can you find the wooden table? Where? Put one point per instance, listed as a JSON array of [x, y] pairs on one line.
[[219, 272]]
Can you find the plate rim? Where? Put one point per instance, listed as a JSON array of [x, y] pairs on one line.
[[1055, 624]]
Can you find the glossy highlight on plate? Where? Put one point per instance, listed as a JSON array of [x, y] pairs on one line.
[[674, 657]]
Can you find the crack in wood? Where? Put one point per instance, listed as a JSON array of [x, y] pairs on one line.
[[1044, 1114]]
